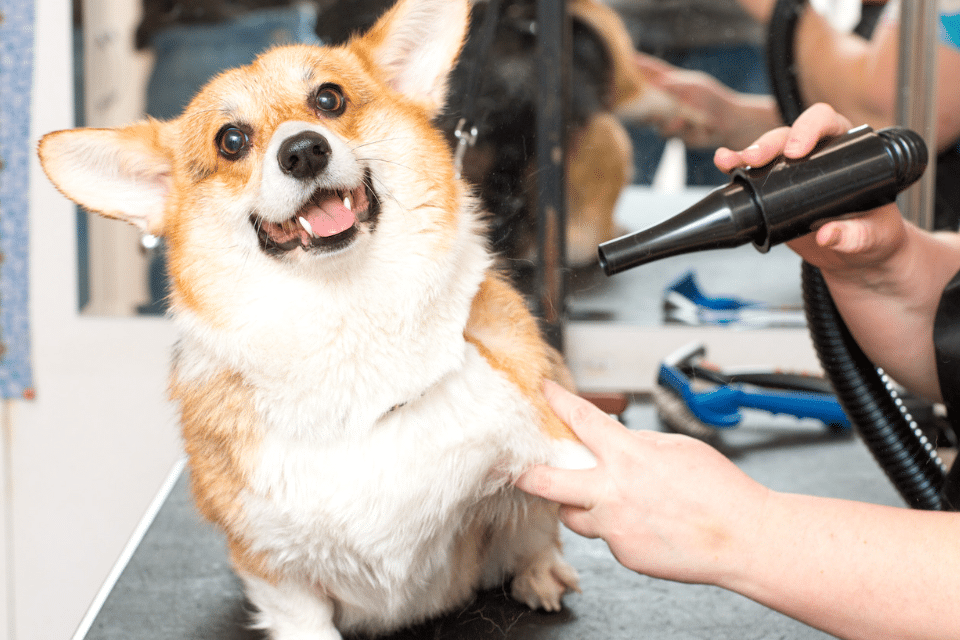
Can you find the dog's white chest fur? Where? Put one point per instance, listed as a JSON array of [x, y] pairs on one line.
[[387, 440], [377, 516]]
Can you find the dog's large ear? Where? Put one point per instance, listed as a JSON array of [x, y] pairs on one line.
[[119, 173], [416, 44]]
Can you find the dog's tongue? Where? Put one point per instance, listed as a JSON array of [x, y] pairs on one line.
[[329, 217]]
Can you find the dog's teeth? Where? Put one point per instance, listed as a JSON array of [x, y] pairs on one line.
[[347, 203], [305, 225]]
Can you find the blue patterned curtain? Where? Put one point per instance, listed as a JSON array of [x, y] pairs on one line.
[[16, 77]]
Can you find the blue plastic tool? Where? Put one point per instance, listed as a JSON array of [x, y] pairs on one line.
[[720, 406]]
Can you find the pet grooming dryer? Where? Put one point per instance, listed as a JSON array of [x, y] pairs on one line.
[[857, 171], [784, 200]]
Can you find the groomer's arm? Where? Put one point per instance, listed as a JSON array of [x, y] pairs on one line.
[[885, 275], [673, 507], [889, 306], [855, 570]]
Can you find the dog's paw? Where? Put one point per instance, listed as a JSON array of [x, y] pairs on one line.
[[330, 634], [291, 628], [290, 610], [542, 583]]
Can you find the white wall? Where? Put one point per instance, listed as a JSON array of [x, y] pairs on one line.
[[88, 454]]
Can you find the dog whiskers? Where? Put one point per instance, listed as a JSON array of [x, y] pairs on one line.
[[382, 188], [393, 162], [384, 140]]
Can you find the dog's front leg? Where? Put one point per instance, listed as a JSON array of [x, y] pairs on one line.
[[290, 610], [530, 551]]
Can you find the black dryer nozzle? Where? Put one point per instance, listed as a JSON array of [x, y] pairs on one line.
[[858, 171]]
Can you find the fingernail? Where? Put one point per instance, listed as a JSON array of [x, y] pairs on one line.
[[833, 237]]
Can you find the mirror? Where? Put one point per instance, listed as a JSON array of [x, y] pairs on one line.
[[151, 57]]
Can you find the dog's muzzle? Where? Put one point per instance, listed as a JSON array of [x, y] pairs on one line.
[[331, 219]]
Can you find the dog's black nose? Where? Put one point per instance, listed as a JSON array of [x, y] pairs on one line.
[[304, 155]]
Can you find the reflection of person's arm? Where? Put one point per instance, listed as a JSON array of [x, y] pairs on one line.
[[759, 9], [856, 76], [859, 77]]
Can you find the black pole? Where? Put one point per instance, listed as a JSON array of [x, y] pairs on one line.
[[553, 73]]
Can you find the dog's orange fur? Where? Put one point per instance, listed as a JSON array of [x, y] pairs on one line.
[[502, 329], [628, 82], [599, 166], [221, 436]]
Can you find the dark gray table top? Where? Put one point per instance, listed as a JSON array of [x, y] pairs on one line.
[[179, 586]]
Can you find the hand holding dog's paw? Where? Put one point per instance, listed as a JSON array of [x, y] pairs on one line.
[[542, 583]]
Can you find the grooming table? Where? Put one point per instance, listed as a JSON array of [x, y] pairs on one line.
[[178, 584]]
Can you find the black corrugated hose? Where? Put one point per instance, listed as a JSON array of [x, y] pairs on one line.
[[869, 400], [890, 433]]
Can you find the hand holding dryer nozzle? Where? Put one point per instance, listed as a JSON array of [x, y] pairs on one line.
[[860, 170]]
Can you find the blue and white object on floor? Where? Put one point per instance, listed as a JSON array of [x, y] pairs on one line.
[[685, 302]]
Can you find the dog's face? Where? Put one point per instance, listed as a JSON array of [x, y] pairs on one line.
[[291, 152], [300, 159]]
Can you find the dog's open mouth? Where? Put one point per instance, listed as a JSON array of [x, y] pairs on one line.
[[329, 221]]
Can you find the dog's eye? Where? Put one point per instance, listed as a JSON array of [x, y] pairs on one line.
[[232, 142], [329, 99]]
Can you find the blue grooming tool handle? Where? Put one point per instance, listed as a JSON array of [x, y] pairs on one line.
[[720, 407]]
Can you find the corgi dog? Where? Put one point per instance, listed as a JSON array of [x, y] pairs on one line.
[[357, 387]]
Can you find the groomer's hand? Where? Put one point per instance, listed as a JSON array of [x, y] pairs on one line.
[[844, 248], [667, 505], [885, 274]]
